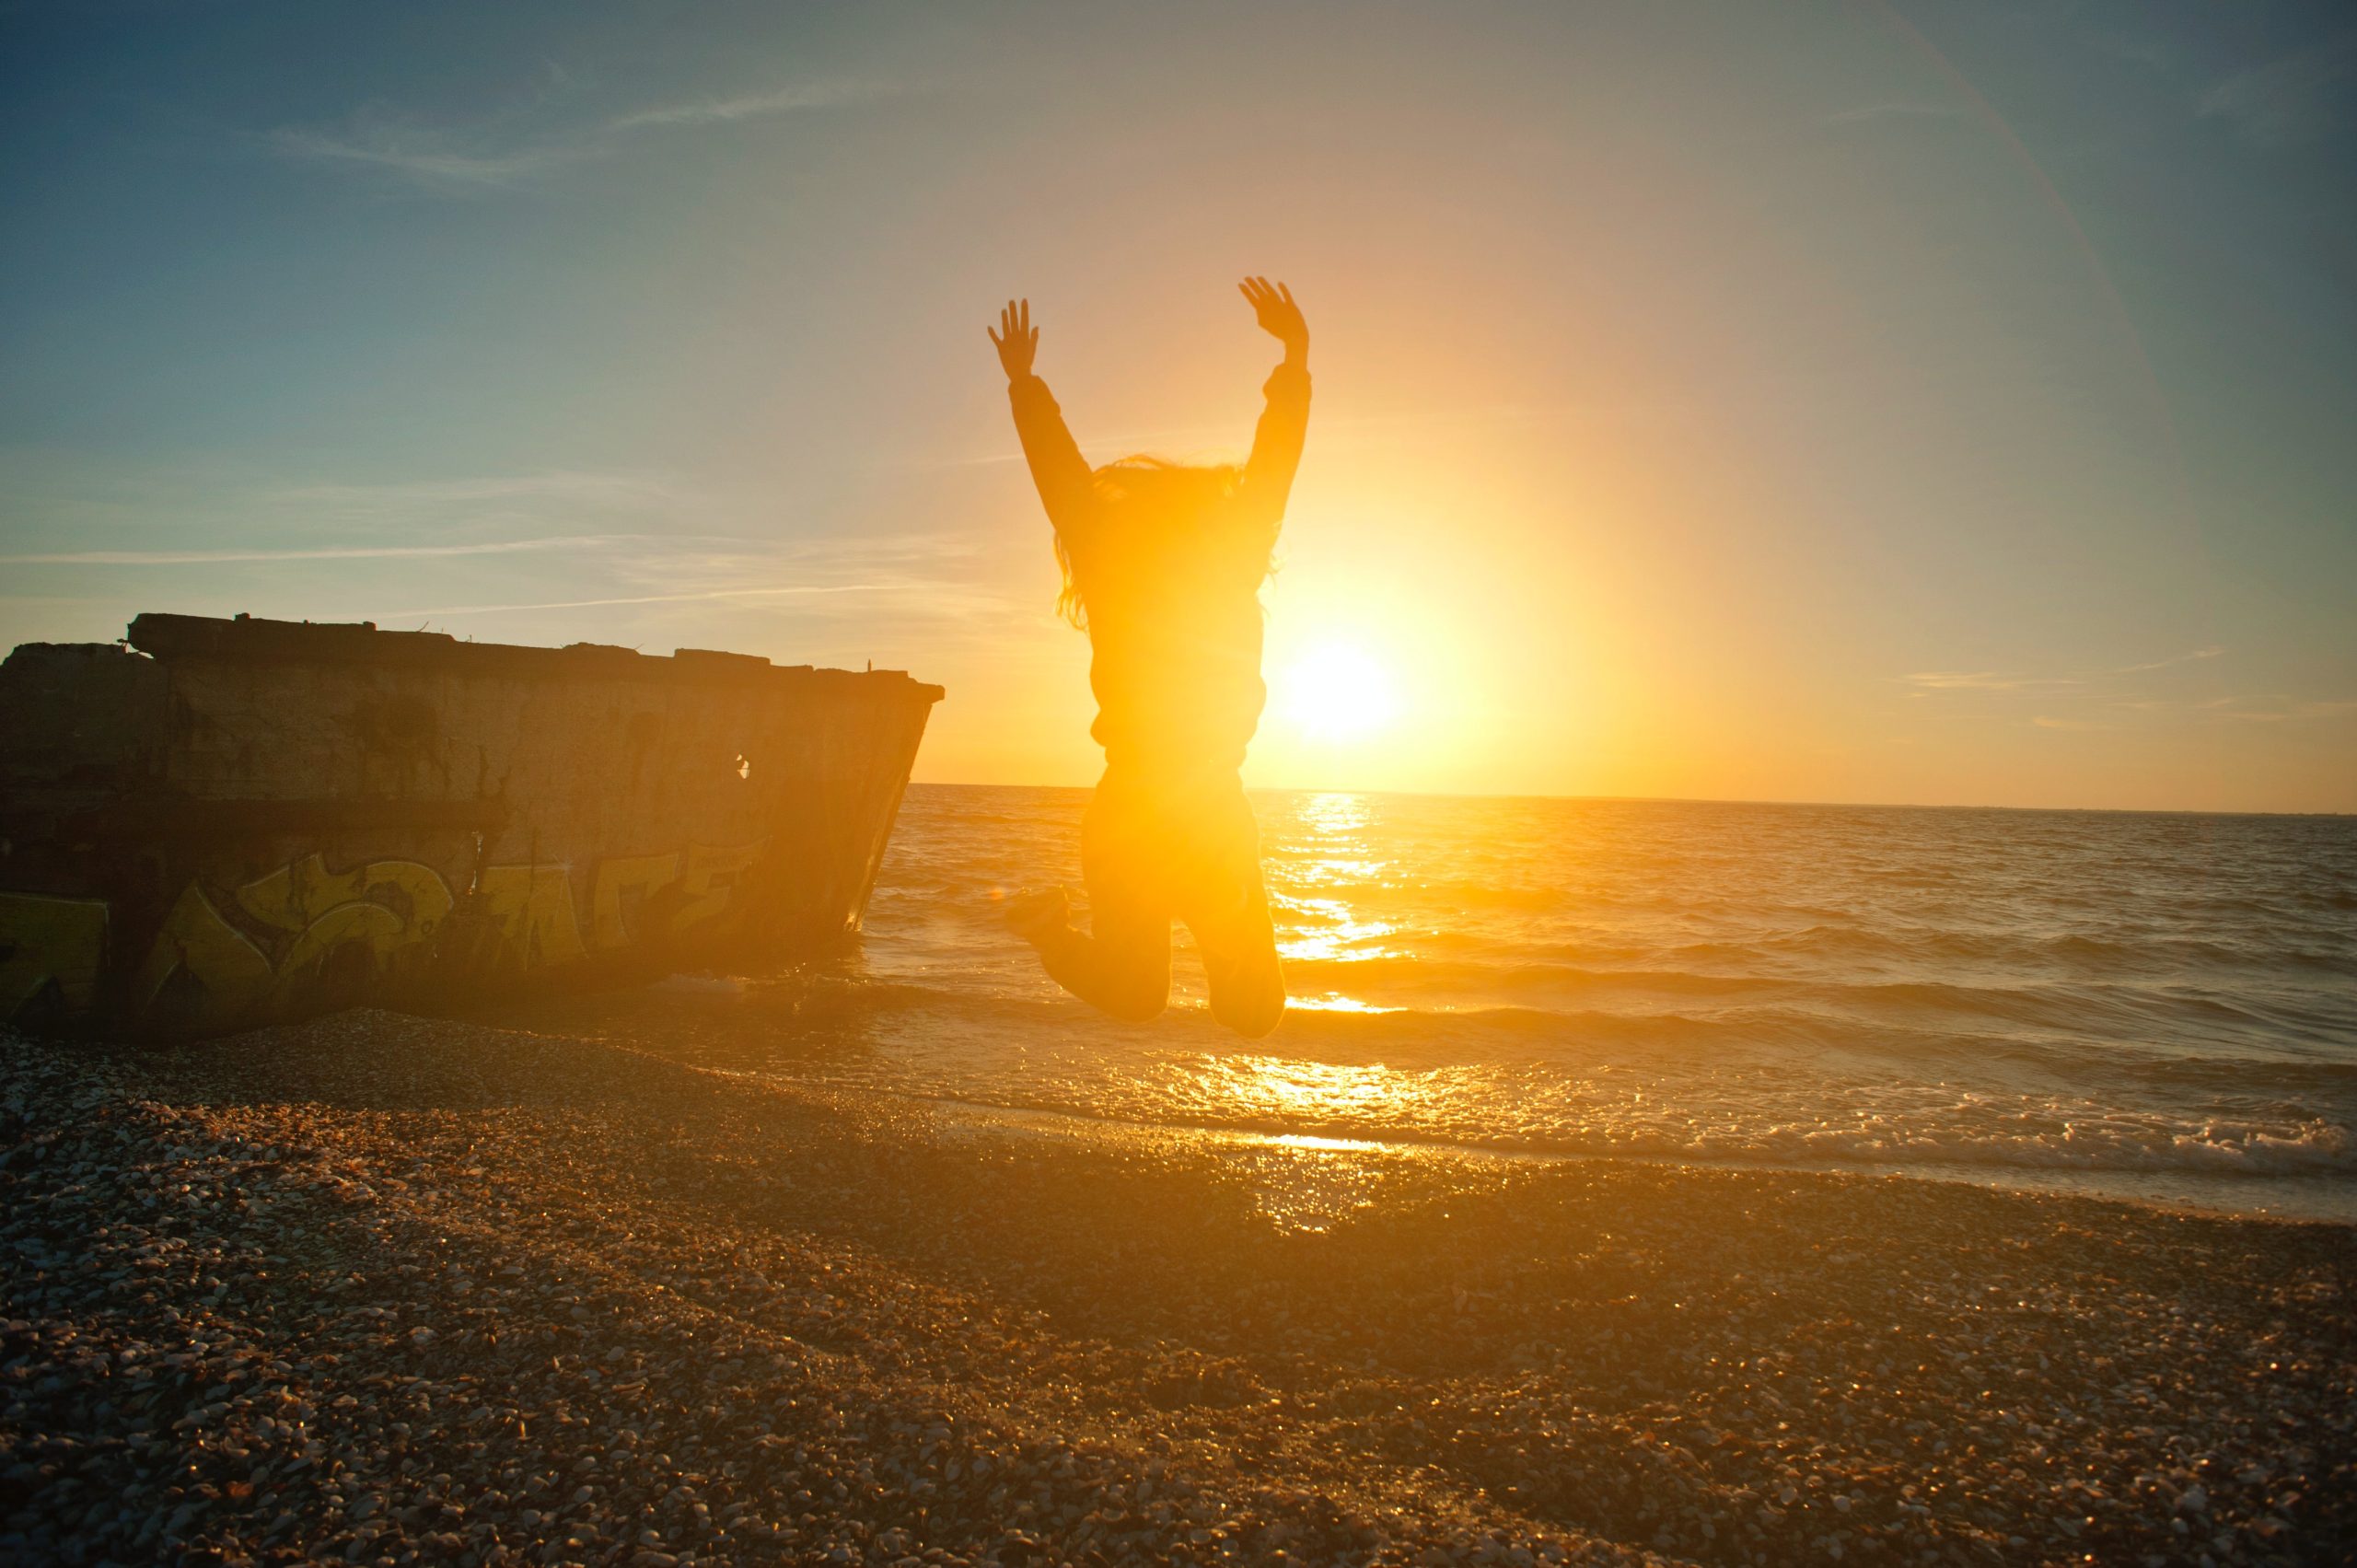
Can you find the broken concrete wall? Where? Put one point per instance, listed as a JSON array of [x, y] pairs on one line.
[[244, 820]]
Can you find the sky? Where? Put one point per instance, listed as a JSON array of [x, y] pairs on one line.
[[1921, 402]]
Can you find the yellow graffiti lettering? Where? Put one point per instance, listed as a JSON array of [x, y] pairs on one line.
[[196, 944], [286, 897], [624, 884], [44, 940], [531, 908], [299, 895], [374, 926], [713, 875]]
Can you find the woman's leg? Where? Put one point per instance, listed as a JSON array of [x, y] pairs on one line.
[[1121, 965], [1225, 904]]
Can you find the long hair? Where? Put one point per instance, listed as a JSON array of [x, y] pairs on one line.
[[1141, 492]]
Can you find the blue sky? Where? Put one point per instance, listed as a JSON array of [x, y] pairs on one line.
[[1929, 402]]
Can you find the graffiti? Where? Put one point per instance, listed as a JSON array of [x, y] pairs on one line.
[[204, 968], [530, 908], [303, 930], [297, 896], [712, 879], [214, 969], [626, 885], [639, 898], [47, 942]]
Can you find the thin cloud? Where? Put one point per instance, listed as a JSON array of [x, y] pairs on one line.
[[493, 495], [2286, 102], [730, 111], [477, 159], [345, 553], [2003, 680], [2117, 695], [1973, 680], [2212, 651], [2277, 708], [934, 570], [420, 156], [795, 590]]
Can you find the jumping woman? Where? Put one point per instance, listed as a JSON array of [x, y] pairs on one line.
[[1162, 566]]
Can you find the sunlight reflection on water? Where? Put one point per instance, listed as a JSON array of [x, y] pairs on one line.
[[2148, 1004], [1335, 1004]]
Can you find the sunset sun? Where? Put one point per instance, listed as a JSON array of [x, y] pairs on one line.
[[1340, 691]]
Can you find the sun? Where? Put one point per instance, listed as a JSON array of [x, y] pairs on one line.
[[1339, 691]]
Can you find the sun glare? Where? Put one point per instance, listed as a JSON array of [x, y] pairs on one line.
[[1338, 691]]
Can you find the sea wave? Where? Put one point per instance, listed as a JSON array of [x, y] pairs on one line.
[[1885, 989], [2128, 1146]]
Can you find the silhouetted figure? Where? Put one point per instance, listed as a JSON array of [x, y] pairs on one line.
[[1163, 565]]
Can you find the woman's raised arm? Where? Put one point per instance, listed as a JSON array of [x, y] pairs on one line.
[[1057, 467], [1284, 424]]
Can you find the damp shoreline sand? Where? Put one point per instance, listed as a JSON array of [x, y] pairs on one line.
[[394, 1289]]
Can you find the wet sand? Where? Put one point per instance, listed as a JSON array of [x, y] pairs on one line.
[[387, 1289]]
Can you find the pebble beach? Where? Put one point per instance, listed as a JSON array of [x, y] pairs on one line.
[[395, 1290]]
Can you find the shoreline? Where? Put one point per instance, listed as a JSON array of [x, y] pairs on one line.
[[2062, 1181], [412, 1290]]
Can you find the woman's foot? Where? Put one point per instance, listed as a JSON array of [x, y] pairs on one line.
[[1038, 913]]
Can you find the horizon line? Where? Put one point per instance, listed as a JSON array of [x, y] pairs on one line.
[[1700, 800]]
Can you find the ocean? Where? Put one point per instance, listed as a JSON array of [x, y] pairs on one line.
[[2154, 1006]]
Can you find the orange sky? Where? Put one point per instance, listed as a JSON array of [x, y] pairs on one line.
[[1734, 402]]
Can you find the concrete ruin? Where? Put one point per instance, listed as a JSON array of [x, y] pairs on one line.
[[227, 822]]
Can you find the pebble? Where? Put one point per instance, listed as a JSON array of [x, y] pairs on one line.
[[392, 1290]]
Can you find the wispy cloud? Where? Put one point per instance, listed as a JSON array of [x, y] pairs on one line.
[[514, 150], [423, 156], [732, 109], [2208, 651], [1972, 680], [180, 515], [2278, 708], [337, 552], [783, 591], [2000, 680], [2286, 102], [932, 578], [2115, 696], [595, 551], [490, 497]]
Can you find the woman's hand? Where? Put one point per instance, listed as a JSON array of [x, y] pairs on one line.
[[1018, 340], [1279, 316]]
